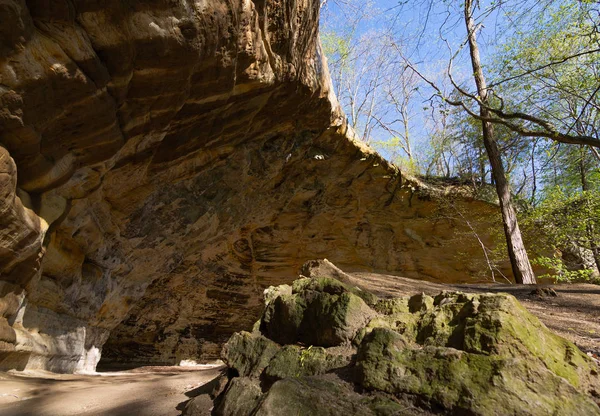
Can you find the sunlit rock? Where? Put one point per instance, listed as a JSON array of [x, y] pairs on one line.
[[476, 354], [163, 163]]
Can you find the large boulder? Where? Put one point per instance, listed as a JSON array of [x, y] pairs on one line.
[[295, 361], [320, 311], [240, 398], [466, 383], [326, 396], [249, 354], [455, 353]]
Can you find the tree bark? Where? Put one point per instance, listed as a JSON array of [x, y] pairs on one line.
[[582, 168], [517, 254], [589, 228]]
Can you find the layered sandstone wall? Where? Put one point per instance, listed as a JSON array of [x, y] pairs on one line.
[[162, 162]]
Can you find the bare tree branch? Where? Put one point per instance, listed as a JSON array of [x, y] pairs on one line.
[[502, 117], [531, 71]]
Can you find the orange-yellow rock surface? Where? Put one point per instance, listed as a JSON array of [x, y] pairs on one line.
[[163, 162]]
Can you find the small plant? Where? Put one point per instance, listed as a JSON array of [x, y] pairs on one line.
[[304, 355], [567, 219], [560, 271]]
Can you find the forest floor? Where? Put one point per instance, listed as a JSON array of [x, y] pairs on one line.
[[147, 391], [573, 313]]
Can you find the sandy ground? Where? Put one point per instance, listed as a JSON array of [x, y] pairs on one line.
[[161, 391], [149, 391]]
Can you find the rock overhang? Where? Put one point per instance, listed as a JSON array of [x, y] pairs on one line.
[[173, 160]]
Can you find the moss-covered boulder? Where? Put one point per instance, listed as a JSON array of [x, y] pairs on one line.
[[282, 318], [248, 353], [465, 383], [240, 398], [324, 347], [333, 287], [392, 306], [420, 303], [497, 324], [295, 361], [331, 320], [394, 314], [320, 311], [324, 396]]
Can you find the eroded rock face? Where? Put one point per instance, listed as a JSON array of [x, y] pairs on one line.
[[163, 162], [456, 353]]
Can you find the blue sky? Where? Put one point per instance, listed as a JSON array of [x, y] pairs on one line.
[[429, 32], [417, 30]]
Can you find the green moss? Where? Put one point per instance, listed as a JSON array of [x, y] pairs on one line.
[[377, 348], [392, 306], [295, 361], [420, 303], [309, 396], [459, 381], [447, 297], [443, 325], [331, 320], [403, 323], [503, 326], [248, 354], [282, 318], [462, 353], [497, 324], [319, 284], [315, 317], [369, 298], [240, 398], [333, 287]]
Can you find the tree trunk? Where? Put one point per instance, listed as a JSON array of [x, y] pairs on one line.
[[516, 249], [590, 227], [533, 174], [596, 255], [406, 133], [481, 166], [582, 169]]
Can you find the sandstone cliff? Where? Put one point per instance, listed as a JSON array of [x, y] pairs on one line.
[[162, 162]]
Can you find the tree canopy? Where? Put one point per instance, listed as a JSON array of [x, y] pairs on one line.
[[406, 75]]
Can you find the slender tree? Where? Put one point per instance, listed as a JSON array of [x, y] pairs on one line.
[[517, 254]]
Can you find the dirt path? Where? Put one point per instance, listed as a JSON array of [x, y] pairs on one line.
[[149, 391], [574, 313]]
